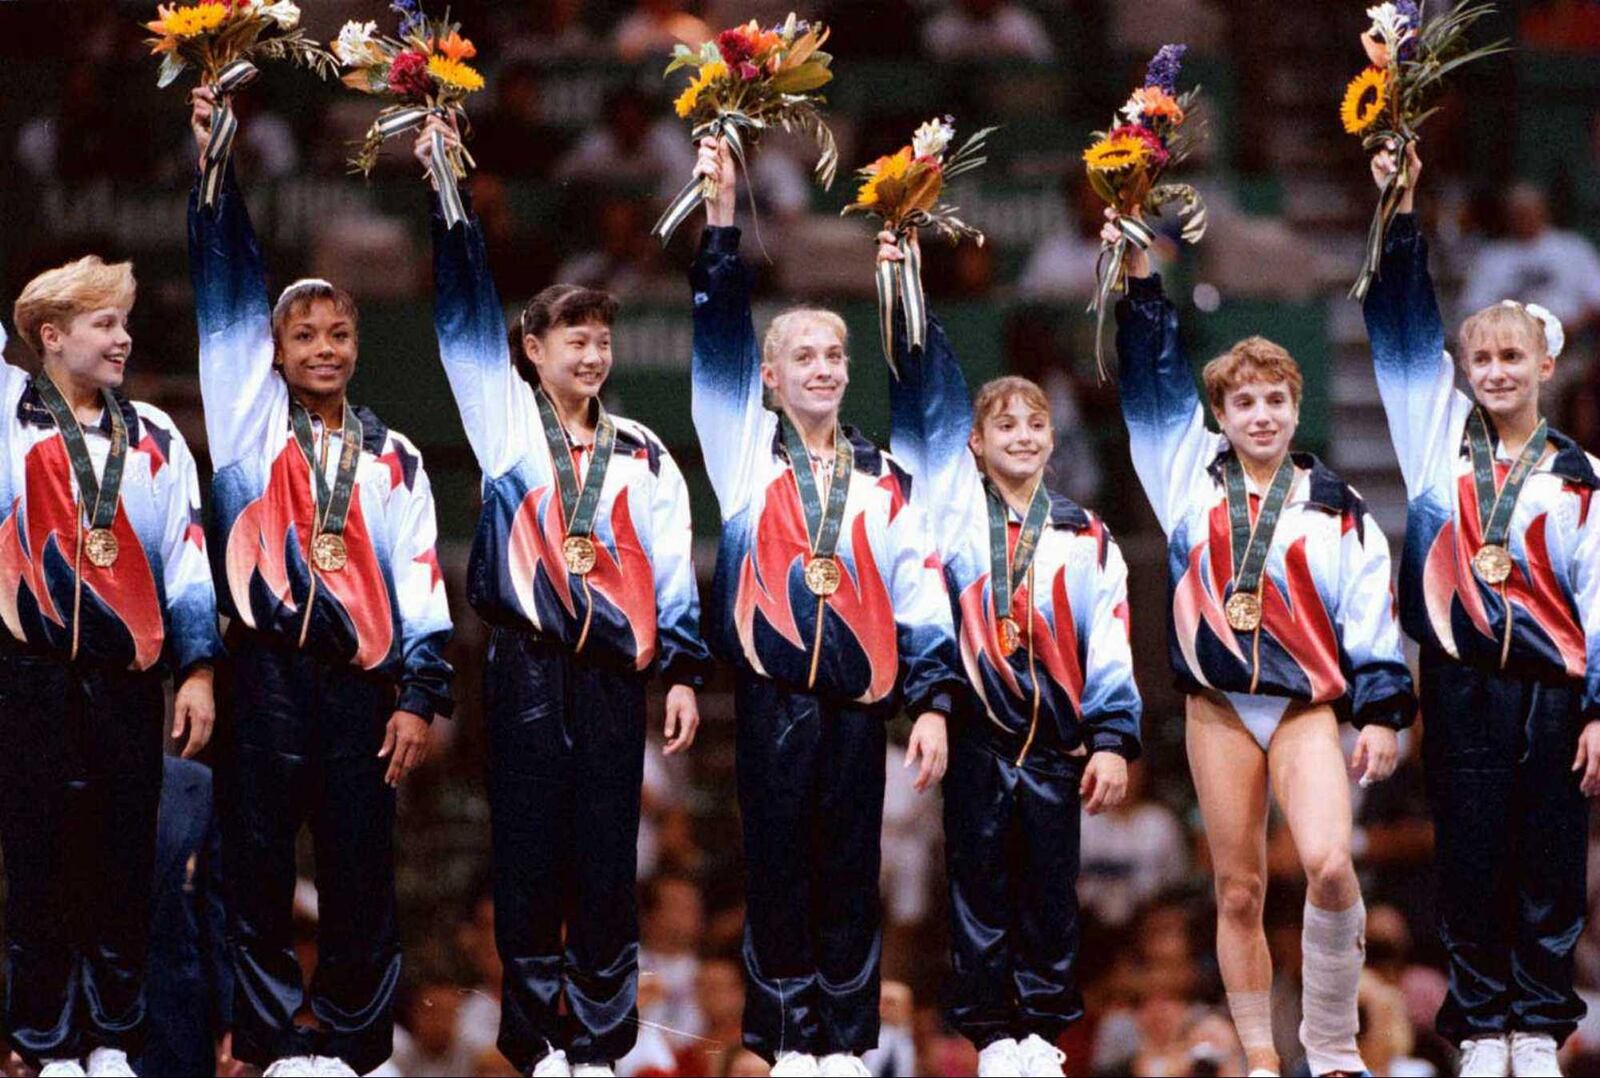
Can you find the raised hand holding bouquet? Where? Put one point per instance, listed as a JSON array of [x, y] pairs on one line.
[[224, 40], [746, 80], [1126, 163], [424, 72], [1386, 104], [903, 190]]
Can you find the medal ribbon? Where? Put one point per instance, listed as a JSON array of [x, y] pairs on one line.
[[578, 506], [1251, 543], [332, 506], [822, 525], [1012, 568], [100, 494], [1496, 506]]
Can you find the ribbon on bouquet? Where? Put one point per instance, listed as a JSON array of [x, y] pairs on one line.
[[900, 284], [233, 76], [1394, 189], [441, 171], [727, 125], [1109, 273]]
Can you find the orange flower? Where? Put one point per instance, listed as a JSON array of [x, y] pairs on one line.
[[1154, 101], [456, 47]]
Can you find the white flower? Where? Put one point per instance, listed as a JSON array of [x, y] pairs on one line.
[[283, 12], [1388, 25], [932, 137], [1132, 111], [355, 47]]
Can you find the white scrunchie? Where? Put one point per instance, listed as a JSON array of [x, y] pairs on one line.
[[1555, 337], [304, 282], [3, 337]]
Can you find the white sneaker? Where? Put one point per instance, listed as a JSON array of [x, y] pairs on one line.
[[61, 1068], [332, 1067], [842, 1065], [795, 1065], [1039, 1058], [553, 1065], [109, 1063], [293, 1067], [593, 1070], [1533, 1054], [1485, 1057], [999, 1059], [1262, 1072]]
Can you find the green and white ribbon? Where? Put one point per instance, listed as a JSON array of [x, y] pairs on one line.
[[1496, 506], [900, 284], [578, 504], [731, 126], [1394, 189], [224, 127], [1109, 274], [333, 503], [98, 495], [1007, 568], [1252, 542], [402, 118]]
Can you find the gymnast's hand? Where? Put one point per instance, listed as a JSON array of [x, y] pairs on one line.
[[1383, 166], [715, 162], [683, 719], [422, 147], [202, 101], [1588, 760], [194, 711], [889, 249], [405, 745], [1376, 754], [930, 746], [1136, 260], [1105, 783]]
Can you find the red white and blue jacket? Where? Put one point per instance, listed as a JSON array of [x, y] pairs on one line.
[[385, 611], [1328, 633], [156, 603], [642, 602], [888, 627], [1077, 617], [1553, 594]]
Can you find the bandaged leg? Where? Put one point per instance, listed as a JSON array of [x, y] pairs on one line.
[[1333, 951]]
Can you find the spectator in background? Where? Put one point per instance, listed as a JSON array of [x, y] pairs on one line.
[[1537, 263], [886, 30], [627, 261], [987, 30], [84, 139], [672, 924], [1062, 264], [911, 834], [189, 987], [429, 1045], [1561, 26], [511, 139], [1130, 853], [478, 1015], [626, 151], [656, 26], [558, 33]]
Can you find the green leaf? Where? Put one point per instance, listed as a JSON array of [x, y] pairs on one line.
[[801, 79]]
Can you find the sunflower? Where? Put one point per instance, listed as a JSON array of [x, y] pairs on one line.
[[685, 105], [1364, 100], [1115, 154], [883, 170], [455, 74], [176, 23]]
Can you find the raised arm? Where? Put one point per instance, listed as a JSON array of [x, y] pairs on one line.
[[237, 383], [496, 405], [419, 591], [1167, 434], [1416, 379], [1380, 681], [1111, 704], [684, 658], [730, 419], [930, 413]]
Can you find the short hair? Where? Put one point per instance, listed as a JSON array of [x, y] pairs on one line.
[[996, 395], [297, 299], [557, 306], [785, 324], [1504, 316], [59, 295], [1251, 358]]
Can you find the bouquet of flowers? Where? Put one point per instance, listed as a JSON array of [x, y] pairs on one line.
[[424, 72], [1386, 103], [903, 190], [1154, 131], [224, 39], [746, 80]]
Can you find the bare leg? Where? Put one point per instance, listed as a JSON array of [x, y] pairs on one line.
[[1230, 778]]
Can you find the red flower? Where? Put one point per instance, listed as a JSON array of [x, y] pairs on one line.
[[408, 75], [748, 71], [1158, 151], [735, 47]]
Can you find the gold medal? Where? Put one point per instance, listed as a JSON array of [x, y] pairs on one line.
[[1492, 563], [1010, 636], [328, 552], [579, 553], [100, 545], [1244, 612], [823, 576]]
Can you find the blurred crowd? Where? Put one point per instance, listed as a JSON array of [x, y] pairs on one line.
[[576, 149]]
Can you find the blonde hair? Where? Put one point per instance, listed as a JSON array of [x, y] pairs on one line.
[[996, 395], [59, 295], [789, 321], [1251, 358], [1504, 316]]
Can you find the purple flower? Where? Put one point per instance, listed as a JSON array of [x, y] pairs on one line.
[[411, 16], [1411, 18], [1164, 68]]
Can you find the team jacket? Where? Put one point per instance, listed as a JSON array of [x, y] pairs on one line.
[[1328, 632], [641, 601], [1081, 666], [385, 611], [888, 626], [156, 603], [1553, 594]]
